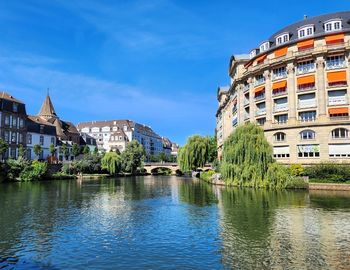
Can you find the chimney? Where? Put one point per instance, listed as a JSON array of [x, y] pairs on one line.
[[305, 17]]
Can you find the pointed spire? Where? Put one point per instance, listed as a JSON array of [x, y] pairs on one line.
[[47, 110]]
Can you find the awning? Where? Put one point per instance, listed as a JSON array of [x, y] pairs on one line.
[[342, 110], [281, 52], [306, 44], [338, 76], [259, 89], [261, 58], [306, 80], [332, 39], [278, 85]]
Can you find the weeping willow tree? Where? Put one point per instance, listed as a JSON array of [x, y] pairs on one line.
[[194, 154], [246, 157], [111, 162]]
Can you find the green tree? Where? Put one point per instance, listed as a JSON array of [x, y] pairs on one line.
[[194, 154], [133, 157], [86, 150], [65, 151], [3, 148], [37, 150], [162, 157], [95, 150], [75, 150], [52, 149], [111, 162], [213, 153], [21, 151], [246, 157]]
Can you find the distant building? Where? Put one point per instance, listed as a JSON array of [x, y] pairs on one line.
[[86, 139], [174, 149], [167, 144], [41, 133], [12, 123], [102, 131]]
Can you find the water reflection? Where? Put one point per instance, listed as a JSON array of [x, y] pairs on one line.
[[170, 222]]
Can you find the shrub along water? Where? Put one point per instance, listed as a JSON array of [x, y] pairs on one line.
[[328, 173]]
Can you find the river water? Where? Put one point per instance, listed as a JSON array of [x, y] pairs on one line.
[[170, 223]]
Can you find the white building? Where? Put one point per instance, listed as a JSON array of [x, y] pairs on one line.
[[103, 130], [39, 132]]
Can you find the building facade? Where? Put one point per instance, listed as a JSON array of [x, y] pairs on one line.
[[295, 86], [12, 123], [41, 133], [108, 133]]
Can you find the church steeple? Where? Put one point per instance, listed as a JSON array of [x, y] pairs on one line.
[[47, 110]]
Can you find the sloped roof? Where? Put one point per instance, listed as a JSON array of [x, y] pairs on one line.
[[47, 109], [7, 96]]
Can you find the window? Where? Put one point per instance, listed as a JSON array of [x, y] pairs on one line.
[[252, 54], [6, 136], [20, 138], [13, 137], [261, 121], [13, 152], [281, 119], [52, 140], [307, 116], [7, 120], [333, 25], [14, 107], [21, 123], [306, 66], [41, 140], [265, 46], [307, 135], [279, 73], [259, 79], [335, 61], [281, 151], [29, 138], [310, 150], [280, 137], [306, 31], [14, 121], [339, 150], [340, 133], [282, 39]]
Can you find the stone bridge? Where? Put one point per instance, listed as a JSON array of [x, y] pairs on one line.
[[152, 167]]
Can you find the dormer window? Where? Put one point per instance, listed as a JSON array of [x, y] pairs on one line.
[[283, 38], [333, 25], [265, 46], [252, 54], [306, 31]]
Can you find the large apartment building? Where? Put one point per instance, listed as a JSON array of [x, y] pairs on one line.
[[117, 133], [295, 86]]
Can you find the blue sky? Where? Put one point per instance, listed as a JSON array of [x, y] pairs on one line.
[[158, 62]]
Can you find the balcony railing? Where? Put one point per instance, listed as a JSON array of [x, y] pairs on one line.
[[307, 103], [338, 118], [259, 82], [306, 69], [259, 97], [280, 75], [246, 102], [335, 64], [337, 84], [280, 107], [279, 93], [308, 119], [337, 100], [246, 116], [246, 88], [310, 87], [260, 112]]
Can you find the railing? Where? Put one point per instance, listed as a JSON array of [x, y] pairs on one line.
[[246, 102], [279, 93], [335, 64], [337, 84], [280, 107], [246, 116], [336, 118], [246, 88], [280, 75], [259, 97], [308, 69], [306, 103], [311, 87], [259, 82], [309, 119], [337, 100], [260, 112]]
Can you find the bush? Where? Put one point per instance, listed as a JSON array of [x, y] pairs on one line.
[[328, 172], [206, 176], [14, 167], [35, 171], [296, 170], [297, 182], [277, 176]]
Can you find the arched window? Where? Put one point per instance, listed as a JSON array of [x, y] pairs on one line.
[[340, 133], [280, 137], [307, 135]]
